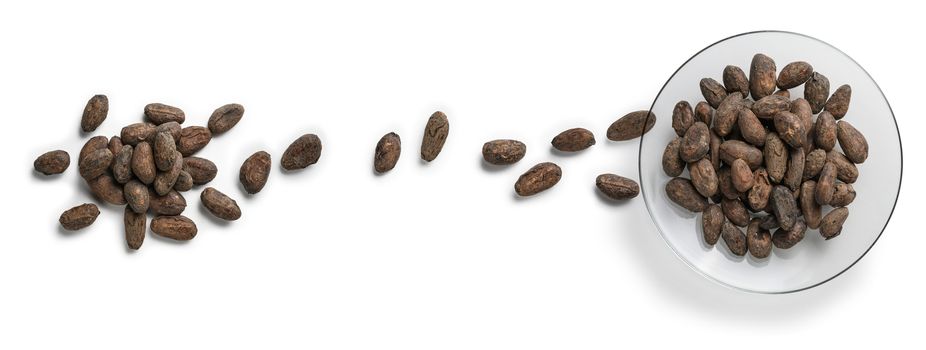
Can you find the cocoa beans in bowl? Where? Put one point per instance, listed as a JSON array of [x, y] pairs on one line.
[[801, 194]]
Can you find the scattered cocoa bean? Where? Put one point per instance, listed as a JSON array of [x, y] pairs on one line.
[[79, 217], [94, 113], [573, 140], [631, 126], [617, 187], [539, 178], [178, 227], [304, 151], [503, 152], [52, 162], [220, 205], [254, 172], [436, 131]]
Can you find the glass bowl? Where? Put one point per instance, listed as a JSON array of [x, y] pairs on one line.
[[814, 260]]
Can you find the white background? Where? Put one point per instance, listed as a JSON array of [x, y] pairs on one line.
[[429, 256]]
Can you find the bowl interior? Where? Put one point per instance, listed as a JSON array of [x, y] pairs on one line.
[[813, 260]]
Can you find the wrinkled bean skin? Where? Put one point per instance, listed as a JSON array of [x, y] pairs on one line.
[[776, 157], [843, 195], [761, 191], [790, 129], [94, 113], [735, 80], [696, 143], [726, 114], [813, 164], [784, 206], [751, 128], [826, 184], [735, 211], [712, 220], [52, 163], [735, 149], [734, 238], [573, 140], [811, 211], [255, 171], [143, 166], [435, 135], [852, 141], [838, 103], [304, 151], [617, 187], [795, 172], [178, 227], [758, 240], [846, 171], [703, 177], [504, 152], [672, 163], [742, 176], [159, 113], [832, 222], [816, 91], [539, 178], [683, 193], [769, 106], [704, 113], [220, 205], [787, 238], [135, 228], [631, 126], [79, 217], [224, 118], [794, 74], [825, 131], [762, 80], [714, 93]]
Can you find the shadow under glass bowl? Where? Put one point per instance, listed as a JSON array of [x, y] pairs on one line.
[[814, 260]]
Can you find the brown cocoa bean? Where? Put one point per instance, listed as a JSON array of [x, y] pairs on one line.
[[672, 163], [172, 128], [770, 105], [714, 93], [107, 189], [224, 118], [135, 227], [762, 76], [794, 74], [573, 140], [539, 178], [790, 129], [795, 172], [846, 171], [734, 210], [825, 131], [758, 240], [437, 129], [813, 164], [734, 238], [79, 217], [768, 222], [184, 182], [115, 144], [833, 221], [703, 177], [143, 163], [164, 181], [826, 184], [751, 128], [696, 143], [725, 183], [136, 196], [735, 149], [852, 141], [811, 211], [201, 170], [682, 117], [93, 144], [254, 172], [220, 205], [193, 139], [838, 104], [787, 238], [94, 113], [617, 187], [159, 113], [734, 79], [164, 149], [741, 175], [784, 206], [171, 203], [53, 162], [712, 220], [704, 113], [387, 153], [95, 164], [138, 132], [683, 193], [631, 126], [178, 227], [304, 151], [816, 91], [776, 157], [122, 164], [761, 191], [843, 195], [503, 152], [726, 114]]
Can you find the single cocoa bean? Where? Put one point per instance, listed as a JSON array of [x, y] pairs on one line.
[[165, 150], [816, 91], [758, 240], [539, 178], [682, 117], [843, 195], [714, 93], [794, 74], [122, 164], [809, 208], [826, 184], [224, 118], [94, 113], [143, 163], [734, 210], [617, 187], [254, 172], [573, 140], [795, 172], [220, 205], [137, 196], [672, 163], [852, 141], [135, 227], [813, 164], [741, 175], [825, 131], [171, 203], [193, 139], [79, 217], [833, 221], [503, 152], [95, 164], [762, 76], [771, 105], [164, 181], [93, 144], [704, 112], [725, 184], [115, 144], [761, 191], [784, 206], [735, 149], [734, 238], [846, 171], [107, 189], [178, 227], [683, 193], [703, 177], [726, 114], [201, 170], [790, 129], [388, 150], [631, 126], [734, 79], [787, 238], [138, 132], [172, 128], [714, 152], [751, 128], [184, 182], [304, 151], [838, 104], [696, 143], [776, 157], [159, 113], [53, 162], [435, 134], [712, 220]]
